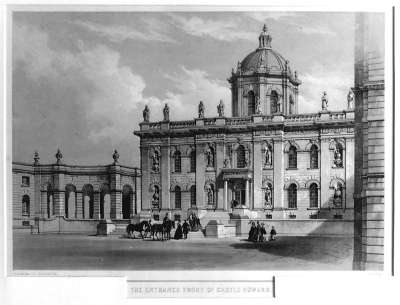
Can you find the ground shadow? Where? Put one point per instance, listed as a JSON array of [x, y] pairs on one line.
[[317, 249]]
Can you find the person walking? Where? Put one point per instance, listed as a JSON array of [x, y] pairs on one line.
[[178, 232], [261, 237], [252, 231], [185, 228], [272, 234]]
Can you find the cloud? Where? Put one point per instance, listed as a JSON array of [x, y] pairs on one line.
[[224, 30], [264, 16], [88, 102], [119, 33], [335, 82]]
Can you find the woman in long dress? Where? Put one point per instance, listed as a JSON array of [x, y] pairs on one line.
[[178, 232]]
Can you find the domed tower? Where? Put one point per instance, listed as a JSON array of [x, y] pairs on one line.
[[264, 80]]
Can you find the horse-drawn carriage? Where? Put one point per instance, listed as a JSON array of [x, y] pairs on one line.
[[154, 229]]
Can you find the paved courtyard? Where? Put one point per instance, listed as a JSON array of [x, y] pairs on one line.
[[83, 252]]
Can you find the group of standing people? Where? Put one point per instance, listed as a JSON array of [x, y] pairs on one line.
[[257, 232], [183, 229]]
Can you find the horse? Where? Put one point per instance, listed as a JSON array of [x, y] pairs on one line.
[[167, 227], [156, 229], [138, 227]]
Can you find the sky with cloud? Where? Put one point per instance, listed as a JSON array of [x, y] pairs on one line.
[[81, 80]]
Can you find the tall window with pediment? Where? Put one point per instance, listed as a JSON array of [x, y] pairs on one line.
[[292, 195], [177, 161], [274, 101], [193, 196], [241, 157], [314, 156], [178, 197], [313, 195], [292, 157], [193, 161], [251, 103]]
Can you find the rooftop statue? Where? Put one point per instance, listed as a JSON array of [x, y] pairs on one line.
[[146, 114], [166, 112], [201, 110], [324, 100], [220, 108], [350, 100], [115, 156]]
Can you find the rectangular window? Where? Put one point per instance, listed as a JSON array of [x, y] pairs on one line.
[[25, 181]]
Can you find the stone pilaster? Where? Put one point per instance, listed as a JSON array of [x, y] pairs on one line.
[[165, 176], [139, 192], [325, 172], [257, 175], [115, 192], [279, 170], [219, 165], [145, 179], [349, 169], [59, 191], [200, 175], [96, 206], [79, 206]]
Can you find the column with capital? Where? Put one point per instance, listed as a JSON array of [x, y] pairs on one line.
[[247, 201], [225, 195]]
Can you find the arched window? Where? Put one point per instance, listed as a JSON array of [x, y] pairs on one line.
[[127, 201], [178, 197], [25, 206], [193, 196], [70, 201], [87, 201], [177, 161], [274, 101], [241, 157], [292, 196], [314, 156], [291, 105], [193, 161], [313, 196], [251, 103], [292, 157]]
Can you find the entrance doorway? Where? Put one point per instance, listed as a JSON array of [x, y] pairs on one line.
[[240, 197]]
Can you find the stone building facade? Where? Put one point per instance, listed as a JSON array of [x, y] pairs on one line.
[[266, 161], [369, 89], [74, 192]]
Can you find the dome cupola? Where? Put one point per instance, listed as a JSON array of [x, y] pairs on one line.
[[263, 82]]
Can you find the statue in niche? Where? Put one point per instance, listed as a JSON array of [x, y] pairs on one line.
[[156, 161], [201, 110], [337, 195], [324, 100], [337, 155], [258, 105], [220, 108], [278, 105], [156, 196], [268, 197], [291, 106], [350, 100], [146, 114], [268, 156], [166, 112], [210, 157], [226, 163], [210, 196]]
